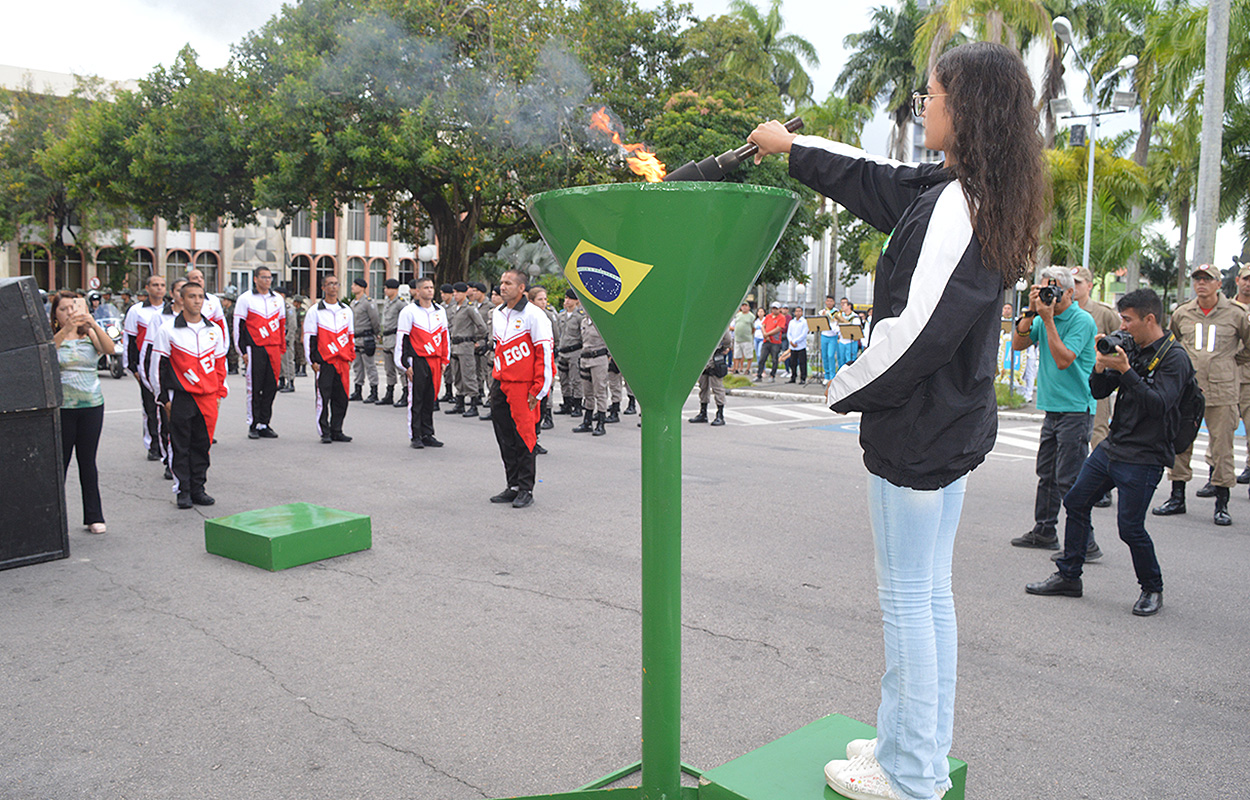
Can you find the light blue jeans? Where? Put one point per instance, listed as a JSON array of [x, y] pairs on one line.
[[914, 536], [829, 355]]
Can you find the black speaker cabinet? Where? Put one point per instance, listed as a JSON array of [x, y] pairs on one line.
[[34, 526]]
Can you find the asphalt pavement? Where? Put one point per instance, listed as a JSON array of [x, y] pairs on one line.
[[478, 651]]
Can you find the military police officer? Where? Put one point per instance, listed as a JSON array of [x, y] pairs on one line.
[[391, 306], [594, 372]]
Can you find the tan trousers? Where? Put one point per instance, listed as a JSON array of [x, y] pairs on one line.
[[1102, 423], [1221, 425]]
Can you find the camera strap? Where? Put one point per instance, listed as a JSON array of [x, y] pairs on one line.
[[1154, 362]]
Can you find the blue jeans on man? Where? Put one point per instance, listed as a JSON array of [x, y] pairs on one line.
[[1135, 486]]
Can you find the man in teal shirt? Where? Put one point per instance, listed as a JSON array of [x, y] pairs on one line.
[[1064, 335]]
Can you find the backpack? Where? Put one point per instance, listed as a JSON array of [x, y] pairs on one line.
[[1192, 406]]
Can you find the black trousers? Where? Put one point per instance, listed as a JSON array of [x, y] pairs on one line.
[[331, 398], [798, 364], [768, 350], [262, 387], [188, 435], [421, 400], [151, 421], [519, 464], [80, 431]]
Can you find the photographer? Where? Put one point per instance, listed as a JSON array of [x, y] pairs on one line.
[[1213, 330], [1064, 335], [1150, 374]]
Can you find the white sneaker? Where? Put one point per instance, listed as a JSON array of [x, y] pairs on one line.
[[858, 747], [833, 768], [862, 779]]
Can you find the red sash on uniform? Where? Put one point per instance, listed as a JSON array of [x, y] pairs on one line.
[[526, 418], [519, 370], [200, 377], [434, 347], [338, 350], [269, 333]]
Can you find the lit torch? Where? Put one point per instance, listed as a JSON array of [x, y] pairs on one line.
[[713, 168], [642, 161]]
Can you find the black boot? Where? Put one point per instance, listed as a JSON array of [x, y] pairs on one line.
[[1208, 490], [1244, 477], [632, 408], [585, 427], [1221, 506], [471, 411], [599, 430], [614, 413], [402, 402], [547, 423], [447, 396], [373, 394], [565, 403], [356, 395], [458, 408], [1175, 503], [720, 416], [702, 415], [290, 386], [389, 397], [485, 415]]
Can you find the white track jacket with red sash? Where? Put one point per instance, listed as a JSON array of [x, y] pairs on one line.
[[137, 331], [213, 312], [260, 319], [328, 332], [426, 331], [195, 356], [149, 364], [523, 362]]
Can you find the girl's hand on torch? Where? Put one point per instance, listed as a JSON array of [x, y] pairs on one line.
[[771, 137]]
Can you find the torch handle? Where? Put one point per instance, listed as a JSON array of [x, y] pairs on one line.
[[750, 149]]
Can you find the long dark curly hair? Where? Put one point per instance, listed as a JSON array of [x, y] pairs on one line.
[[997, 152]]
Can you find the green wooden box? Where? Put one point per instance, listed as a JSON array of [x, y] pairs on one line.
[[287, 536], [793, 767]]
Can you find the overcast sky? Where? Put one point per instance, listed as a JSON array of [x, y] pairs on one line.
[[125, 39]]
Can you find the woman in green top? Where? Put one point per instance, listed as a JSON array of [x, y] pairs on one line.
[[80, 342]]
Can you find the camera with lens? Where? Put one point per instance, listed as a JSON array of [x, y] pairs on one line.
[[1049, 294], [1107, 344]]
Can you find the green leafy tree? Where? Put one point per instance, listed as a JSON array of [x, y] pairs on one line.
[[1158, 264], [787, 54]]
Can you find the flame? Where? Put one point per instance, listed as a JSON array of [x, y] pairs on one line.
[[642, 161]]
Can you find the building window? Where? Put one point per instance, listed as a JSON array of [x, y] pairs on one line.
[[69, 272], [325, 224], [377, 227], [356, 222], [142, 264], [301, 224], [34, 262], [206, 262], [241, 280], [301, 274], [377, 277], [355, 269], [407, 270], [325, 266], [176, 265]]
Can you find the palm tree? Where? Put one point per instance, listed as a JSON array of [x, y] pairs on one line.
[[1014, 23], [841, 120], [1173, 174], [880, 69], [787, 53]]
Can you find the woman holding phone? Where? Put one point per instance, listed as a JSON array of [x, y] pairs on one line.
[[80, 341]]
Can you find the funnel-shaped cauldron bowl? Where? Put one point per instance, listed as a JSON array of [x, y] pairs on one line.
[[660, 267]]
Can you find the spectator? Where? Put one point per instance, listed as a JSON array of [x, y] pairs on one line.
[[80, 341], [743, 325], [1064, 335], [796, 339], [774, 331], [1107, 320], [757, 330]]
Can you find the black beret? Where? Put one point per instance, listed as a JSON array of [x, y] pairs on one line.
[[361, 282], [460, 286], [570, 294], [392, 283], [481, 287], [445, 288]]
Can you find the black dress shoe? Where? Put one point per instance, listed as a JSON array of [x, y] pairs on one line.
[[523, 498], [184, 500], [153, 456], [1104, 501], [1149, 603], [267, 433], [252, 433], [202, 499], [539, 450], [417, 445], [1035, 540], [1056, 585], [1092, 553], [340, 437], [326, 439], [169, 476], [430, 441], [506, 496]]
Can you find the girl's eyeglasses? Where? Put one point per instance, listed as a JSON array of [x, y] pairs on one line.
[[919, 101]]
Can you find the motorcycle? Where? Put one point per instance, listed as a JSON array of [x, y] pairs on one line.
[[111, 321]]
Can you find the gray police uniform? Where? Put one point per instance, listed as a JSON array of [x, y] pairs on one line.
[[710, 383], [486, 352], [467, 331], [292, 337], [569, 354], [594, 368], [390, 321], [368, 323]]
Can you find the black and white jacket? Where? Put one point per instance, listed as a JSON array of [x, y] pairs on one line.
[[925, 384]]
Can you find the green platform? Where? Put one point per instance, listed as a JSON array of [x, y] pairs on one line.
[[793, 767], [287, 536]]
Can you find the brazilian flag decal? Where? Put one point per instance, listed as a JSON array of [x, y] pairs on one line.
[[602, 277]]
